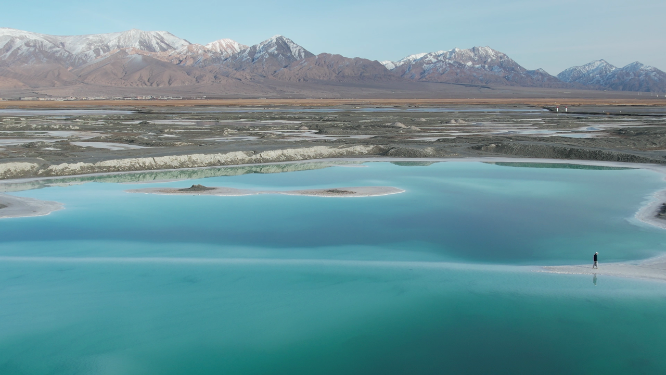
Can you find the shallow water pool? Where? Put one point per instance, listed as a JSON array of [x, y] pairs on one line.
[[439, 279]]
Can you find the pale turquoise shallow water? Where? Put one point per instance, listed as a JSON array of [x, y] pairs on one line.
[[434, 280]]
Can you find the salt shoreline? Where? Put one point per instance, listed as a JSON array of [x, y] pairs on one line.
[[342, 192], [648, 213], [649, 269], [13, 207]]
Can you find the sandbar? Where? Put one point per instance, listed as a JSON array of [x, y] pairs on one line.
[[652, 269], [11, 207], [345, 192]]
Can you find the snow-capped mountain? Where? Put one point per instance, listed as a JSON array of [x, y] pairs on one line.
[[267, 57], [23, 47], [633, 77], [477, 65], [588, 74], [98, 44], [225, 47]]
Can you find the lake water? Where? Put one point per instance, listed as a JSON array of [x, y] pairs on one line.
[[462, 109], [63, 112], [439, 279]]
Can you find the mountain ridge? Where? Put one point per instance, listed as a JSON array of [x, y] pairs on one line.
[[159, 59], [476, 65], [632, 77]]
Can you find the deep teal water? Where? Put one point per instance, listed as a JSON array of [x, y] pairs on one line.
[[430, 281]]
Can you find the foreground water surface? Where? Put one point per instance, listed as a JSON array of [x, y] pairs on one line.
[[439, 279]]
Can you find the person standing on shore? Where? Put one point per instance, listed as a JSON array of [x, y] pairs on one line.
[[595, 261]]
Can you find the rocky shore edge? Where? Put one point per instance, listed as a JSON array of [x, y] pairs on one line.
[[36, 168], [15, 170]]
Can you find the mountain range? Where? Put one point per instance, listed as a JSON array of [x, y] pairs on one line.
[[137, 58], [478, 65], [633, 77]]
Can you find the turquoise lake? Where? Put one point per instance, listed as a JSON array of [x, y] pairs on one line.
[[440, 279]]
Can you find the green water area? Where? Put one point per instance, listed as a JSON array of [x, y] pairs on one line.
[[444, 278]]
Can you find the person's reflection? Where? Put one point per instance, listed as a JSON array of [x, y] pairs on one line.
[[594, 279]]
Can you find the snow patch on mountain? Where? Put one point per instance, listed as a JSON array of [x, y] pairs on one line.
[[27, 47], [388, 64], [149, 41], [225, 47]]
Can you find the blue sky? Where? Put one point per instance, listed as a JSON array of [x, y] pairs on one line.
[[537, 34]]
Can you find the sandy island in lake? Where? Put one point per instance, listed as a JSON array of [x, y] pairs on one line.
[[356, 191], [11, 206]]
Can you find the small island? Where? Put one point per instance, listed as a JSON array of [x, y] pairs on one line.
[[12, 206], [357, 191], [197, 188]]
